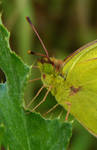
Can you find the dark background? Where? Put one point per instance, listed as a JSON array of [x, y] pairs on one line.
[[64, 26]]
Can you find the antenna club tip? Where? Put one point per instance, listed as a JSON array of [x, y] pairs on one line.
[[29, 52], [28, 19]]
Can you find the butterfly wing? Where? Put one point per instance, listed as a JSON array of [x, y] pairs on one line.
[[81, 78]]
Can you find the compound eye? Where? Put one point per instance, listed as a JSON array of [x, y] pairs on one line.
[[44, 76]]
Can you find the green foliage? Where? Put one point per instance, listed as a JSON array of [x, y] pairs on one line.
[[23, 130]]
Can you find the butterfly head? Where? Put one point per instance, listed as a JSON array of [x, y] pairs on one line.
[[49, 68]]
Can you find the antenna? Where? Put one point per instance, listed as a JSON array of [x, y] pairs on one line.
[[34, 29], [37, 54]]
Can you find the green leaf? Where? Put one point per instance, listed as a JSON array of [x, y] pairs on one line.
[[24, 130], [2, 132]]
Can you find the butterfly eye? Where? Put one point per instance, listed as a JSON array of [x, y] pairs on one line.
[[44, 76]]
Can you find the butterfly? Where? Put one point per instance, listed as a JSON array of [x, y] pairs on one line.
[[73, 82]]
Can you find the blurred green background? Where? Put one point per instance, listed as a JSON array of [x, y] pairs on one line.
[[64, 26]]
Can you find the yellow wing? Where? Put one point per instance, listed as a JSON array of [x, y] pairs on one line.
[[81, 79]]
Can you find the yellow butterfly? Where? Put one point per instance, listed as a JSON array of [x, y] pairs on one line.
[[73, 82]]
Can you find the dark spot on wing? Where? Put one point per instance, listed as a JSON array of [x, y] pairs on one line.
[[74, 90]]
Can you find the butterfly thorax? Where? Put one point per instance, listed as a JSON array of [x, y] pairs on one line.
[[52, 75]]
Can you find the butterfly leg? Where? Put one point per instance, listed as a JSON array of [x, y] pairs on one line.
[[68, 111], [49, 89], [51, 109], [35, 96], [36, 79]]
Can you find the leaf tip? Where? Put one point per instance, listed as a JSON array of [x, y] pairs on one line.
[[0, 18]]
